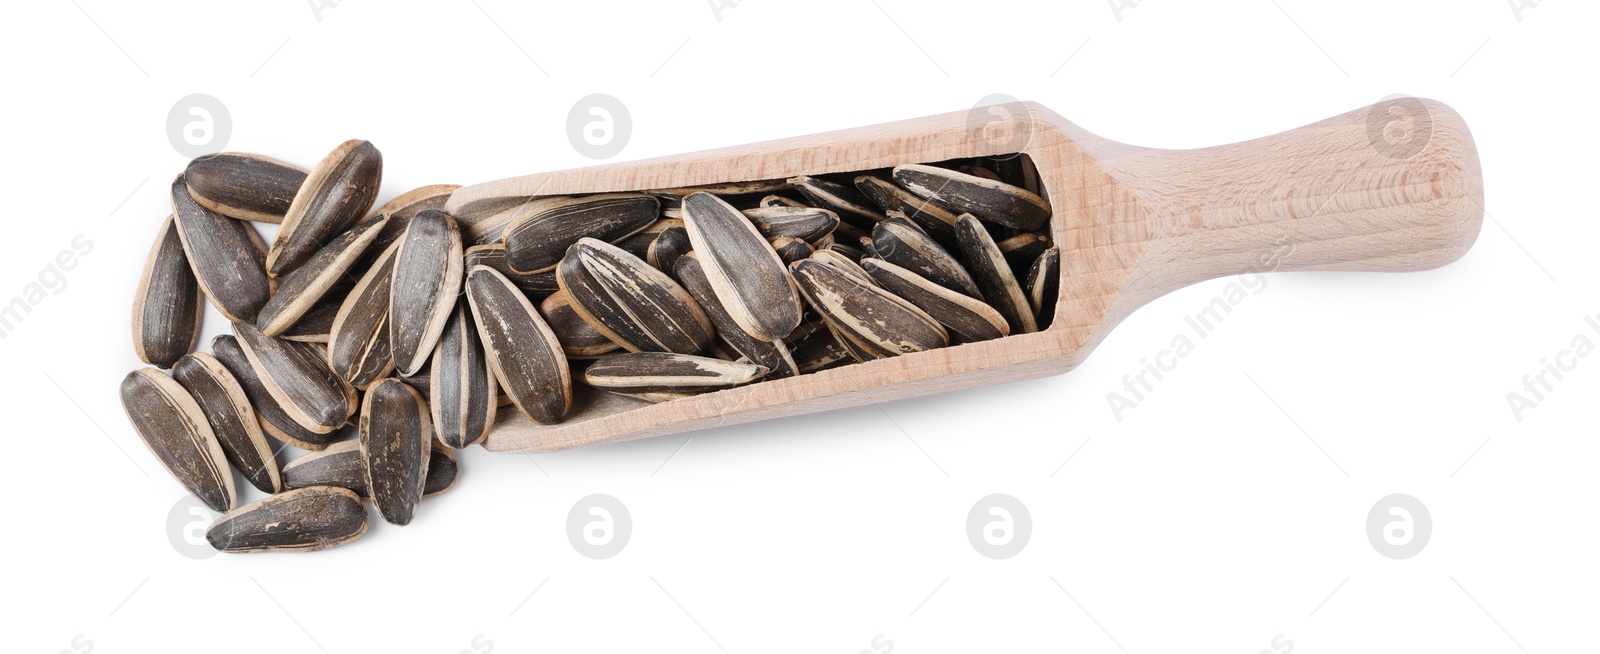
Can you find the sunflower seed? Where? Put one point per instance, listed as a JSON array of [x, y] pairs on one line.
[[852, 253], [1021, 250], [996, 202], [1044, 284], [673, 197], [805, 223], [773, 354], [493, 255], [302, 520], [167, 306], [522, 350], [174, 426], [358, 341], [866, 248], [879, 323], [771, 201], [317, 324], [849, 203], [540, 234], [964, 315], [427, 279], [993, 275], [460, 384], [914, 250], [233, 422], [1016, 170], [638, 307], [842, 263], [298, 377], [820, 351], [274, 420], [665, 250], [223, 255], [484, 220], [932, 218], [663, 372], [335, 195], [639, 243], [300, 290], [579, 340], [341, 465], [743, 269], [244, 186], [395, 435], [400, 211], [791, 249]]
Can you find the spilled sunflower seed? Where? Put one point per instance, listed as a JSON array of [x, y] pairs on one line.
[[234, 423], [395, 434], [175, 428], [224, 255], [167, 306], [335, 195], [298, 377], [358, 340], [302, 520], [300, 290], [244, 186], [274, 420]]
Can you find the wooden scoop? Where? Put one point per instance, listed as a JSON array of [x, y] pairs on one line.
[[1392, 187]]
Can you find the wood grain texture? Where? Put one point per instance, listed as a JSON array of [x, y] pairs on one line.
[[1131, 223]]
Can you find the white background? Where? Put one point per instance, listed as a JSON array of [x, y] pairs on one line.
[[1226, 510]]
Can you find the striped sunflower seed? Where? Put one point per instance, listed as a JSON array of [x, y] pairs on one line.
[[664, 251], [300, 290], [274, 420], [461, 388], [302, 520], [395, 434], [771, 201], [540, 234], [850, 204], [579, 339], [820, 351], [745, 272], [484, 220], [914, 250], [805, 223], [773, 354], [522, 350], [244, 186], [298, 377], [224, 256], [493, 255], [639, 243], [993, 275], [234, 423], [358, 341], [996, 202], [427, 279], [634, 305], [1044, 285], [967, 316], [932, 218], [174, 426], [341, 465], [636, 373], [400, 212], [791, 249], [850, 252], [317, 324], [167, 307], [1021, 250], [673, 197], [843, 263], [878, 322], [335, 196]]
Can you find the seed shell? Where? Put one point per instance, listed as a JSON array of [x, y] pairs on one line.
[[773, 355], [780, 201], [914, 250], [579, 339], [849, 203], [317, 324], [168, 305], [244, 186], [461, 385], [483, 220], [224, 255], [664, 372], [996, 202], [300, 290], [1021, 250], [540, 234], [358, 341], [298, 377], [964, 315], [400, 212], [819, 351], [993, 275], [301, 520], [274, 420], [427, 279], [879, 323], [395, 435], [805, 223], [666, 248], [745, 272], [638, 307], [174, 427], [341, 465], [526, 358], [1044, 284], [493, 255], [930, 217], [335, 195], [791, 249], [844, 264], [234, 423]]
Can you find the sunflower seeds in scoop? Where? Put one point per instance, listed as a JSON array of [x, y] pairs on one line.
[[773, 354], [854, 254], [483, 220], [358, 341], [400, 211], [993, 275], [1021, 250], [300, 290], [962, 314], [539, 236], [673, 197], [395, 434], [174, 426], [930, 217], [244, 186], [526, 358], [849, 203], [638, 307], [819, 351], [274, 420], [579, 339], [844, 264], [664, 372], [791, 249], [638, 244], [1043, 285], [914, 250], [223, 254], [227, 410], [779, 201], [336, 194], [493, 255], [996, 202], [427, 279], [880, 323], [461, 386], [805, 223], [664, 251], [167, 306], [302, 520], [747, 275], [298, 377], [341, 465]]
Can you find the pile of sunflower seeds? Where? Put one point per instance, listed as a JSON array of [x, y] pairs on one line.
[[414, 326]]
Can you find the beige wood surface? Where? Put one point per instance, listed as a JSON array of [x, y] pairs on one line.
[[1394, 187]]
